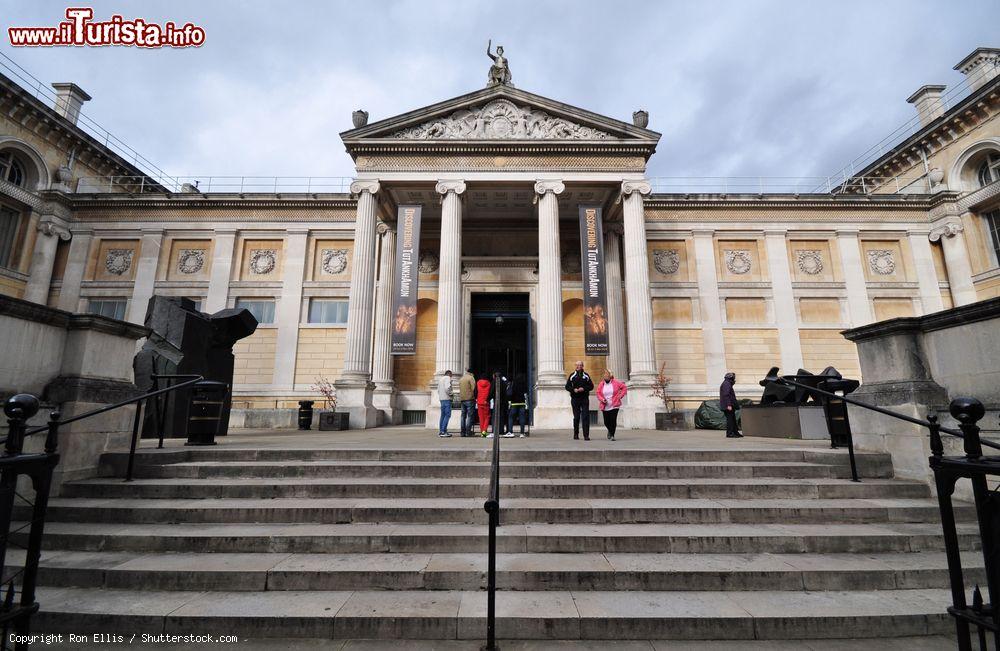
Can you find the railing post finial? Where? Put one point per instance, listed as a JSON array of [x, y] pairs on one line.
[[18, 409], [968, 411], [937, 446]]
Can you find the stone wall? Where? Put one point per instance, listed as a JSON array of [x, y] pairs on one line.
[[916, 366], [74, 363]]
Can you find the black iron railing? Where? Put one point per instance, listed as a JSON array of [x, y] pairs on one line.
[[39, 468], [492, 507], [948, 470]]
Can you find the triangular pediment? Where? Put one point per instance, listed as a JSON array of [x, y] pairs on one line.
[[500, 113]]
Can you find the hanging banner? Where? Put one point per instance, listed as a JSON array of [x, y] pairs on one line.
[[595, 301], [404, 307]]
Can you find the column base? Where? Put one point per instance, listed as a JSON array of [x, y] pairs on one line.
[[553, 410], [384, 401], [640, 407], [355, 398]]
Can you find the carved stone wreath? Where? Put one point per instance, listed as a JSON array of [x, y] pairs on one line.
[[501, 119], [263, 261], [118, 261], [666, 261], [334, 261], [190, 261], [570, 263], [810, 261], [738, 262], [881, 262], [428, 263]]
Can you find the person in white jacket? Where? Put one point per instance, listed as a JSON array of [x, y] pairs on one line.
[[444, 395]]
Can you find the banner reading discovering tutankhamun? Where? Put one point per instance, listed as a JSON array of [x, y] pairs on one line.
[[595, 302], [404, 306]]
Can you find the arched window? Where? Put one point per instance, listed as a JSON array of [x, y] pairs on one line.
[[989, 170], [11, 169]]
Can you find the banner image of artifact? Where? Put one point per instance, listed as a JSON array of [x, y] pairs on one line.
[[595, 302], [404, 307]]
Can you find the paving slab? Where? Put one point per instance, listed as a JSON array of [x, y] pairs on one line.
[[260, 614], [348, 571], [173, 571], [647, 615], [521, 615], [399, 615], [75, 610]]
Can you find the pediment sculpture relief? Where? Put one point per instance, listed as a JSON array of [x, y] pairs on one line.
[[501, 119]]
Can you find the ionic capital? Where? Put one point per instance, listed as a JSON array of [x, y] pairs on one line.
[[382, 227], [951, 229], [360, 186], [555, 187], [54, 230], [450, 185], [643, 187]]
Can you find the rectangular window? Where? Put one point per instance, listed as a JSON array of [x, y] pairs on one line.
[[261, 308], [110, 307], [993, 226], [9, 220], [330, 311]]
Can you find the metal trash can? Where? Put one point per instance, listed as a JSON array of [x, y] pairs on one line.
[[306, 414], [208, 399], [835, 410]]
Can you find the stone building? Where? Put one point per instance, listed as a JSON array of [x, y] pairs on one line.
[[702, 282]]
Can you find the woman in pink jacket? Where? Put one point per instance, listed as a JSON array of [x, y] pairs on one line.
[[610, 393]]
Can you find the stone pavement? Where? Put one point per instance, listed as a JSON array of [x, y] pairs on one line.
[[380, 535]]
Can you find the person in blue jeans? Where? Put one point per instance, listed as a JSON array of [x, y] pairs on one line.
[[444, 395], [517, 404]]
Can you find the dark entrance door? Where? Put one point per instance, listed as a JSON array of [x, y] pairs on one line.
[[500, 340]]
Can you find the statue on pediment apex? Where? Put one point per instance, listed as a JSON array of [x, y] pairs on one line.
[[499, 71]]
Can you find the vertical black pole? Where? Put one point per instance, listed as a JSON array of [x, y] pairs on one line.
[[135, 440]]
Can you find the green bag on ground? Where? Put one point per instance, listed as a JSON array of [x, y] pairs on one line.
[[710, 416]]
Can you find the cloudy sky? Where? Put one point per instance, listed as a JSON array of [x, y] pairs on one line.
[[737, 88]]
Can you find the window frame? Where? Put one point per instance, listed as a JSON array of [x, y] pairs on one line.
[[94, 300], [989, 170], [991, 222], [338, 302], [9, 164], [243, 303], [10, 251]]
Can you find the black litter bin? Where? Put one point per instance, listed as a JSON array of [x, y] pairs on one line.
[[305, 414], [208, 400]]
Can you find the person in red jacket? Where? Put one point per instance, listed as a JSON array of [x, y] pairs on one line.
[[610, 393], [483, 403]]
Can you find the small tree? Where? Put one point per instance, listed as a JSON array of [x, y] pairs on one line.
[[329, 391], [660, 384]]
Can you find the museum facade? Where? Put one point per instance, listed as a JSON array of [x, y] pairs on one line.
[[698, 283]]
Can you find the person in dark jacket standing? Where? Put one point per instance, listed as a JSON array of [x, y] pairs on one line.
[[728, 404], [579, 386]]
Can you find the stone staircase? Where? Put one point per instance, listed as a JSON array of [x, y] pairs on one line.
[[596, 543]]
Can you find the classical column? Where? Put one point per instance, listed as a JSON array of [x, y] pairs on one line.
[[287, 313], [221, 271], [449, 316], [43, 258], [354, 391], [927, 278], [713, 343], [76, 266], [854, 278], [617, 342], [145, 275], [384, 394], [956, 261], [551, 410], [786, 320], [641, 349]]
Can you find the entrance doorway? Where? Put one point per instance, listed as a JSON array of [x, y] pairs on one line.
[[500, 337]]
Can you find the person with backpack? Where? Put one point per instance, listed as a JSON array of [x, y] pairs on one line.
[[483, 402], [517, 404]]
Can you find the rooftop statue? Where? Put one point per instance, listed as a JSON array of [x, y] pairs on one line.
[[499, 71]]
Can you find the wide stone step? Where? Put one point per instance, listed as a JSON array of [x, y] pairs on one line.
[[596, 469], [568, 615], [589, 571], [482, 451], [761, 488], [515, 510], [511, 538]]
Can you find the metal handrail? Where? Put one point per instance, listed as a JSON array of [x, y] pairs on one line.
[[492, 507], [930, 424], [137, 400]]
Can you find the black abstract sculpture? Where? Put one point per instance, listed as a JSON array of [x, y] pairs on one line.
[[777, 393], [185, 341]]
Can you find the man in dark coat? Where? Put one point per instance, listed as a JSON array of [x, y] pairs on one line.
[[579, 386], [728, 405]]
